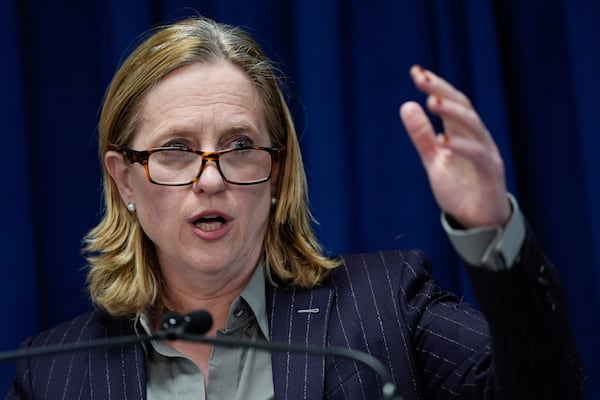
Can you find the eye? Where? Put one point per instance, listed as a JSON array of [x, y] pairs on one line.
[[178, 144], [241, 142]]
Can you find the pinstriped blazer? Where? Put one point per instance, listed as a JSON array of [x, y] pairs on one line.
[[385, 304]]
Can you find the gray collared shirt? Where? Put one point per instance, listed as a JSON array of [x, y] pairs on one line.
[[235, 373]]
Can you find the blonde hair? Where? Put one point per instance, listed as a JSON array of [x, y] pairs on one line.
[[124, 276]]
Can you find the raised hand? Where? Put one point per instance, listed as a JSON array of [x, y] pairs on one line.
[[464, 166]]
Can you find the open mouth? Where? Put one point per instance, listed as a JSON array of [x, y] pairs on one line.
[[210, 223]]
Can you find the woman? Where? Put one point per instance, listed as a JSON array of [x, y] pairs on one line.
[[206, 209]]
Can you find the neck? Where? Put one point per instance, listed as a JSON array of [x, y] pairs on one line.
[[184, 297]]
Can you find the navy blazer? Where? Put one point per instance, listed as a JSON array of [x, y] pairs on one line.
[[385, 304]]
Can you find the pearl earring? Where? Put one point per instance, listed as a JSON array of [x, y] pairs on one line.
[[273, 200], [131, 207]]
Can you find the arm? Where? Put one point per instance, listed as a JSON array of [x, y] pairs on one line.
[[532, 350]]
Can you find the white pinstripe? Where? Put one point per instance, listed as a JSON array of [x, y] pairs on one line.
[[108, 387], [399, 323], [450, 340], [354, 300], [85, 325], [382, 330], [83, 382], [91, 378], [448, 390], [123, 371], [337, 371], [137, 372], [54, 360], [468, 312], [306, 342], [458, 323], [339, 319], [324, 338], [287, 363]]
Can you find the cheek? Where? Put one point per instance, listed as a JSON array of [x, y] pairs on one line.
[[257, 206], [151, 198], [157, 209]]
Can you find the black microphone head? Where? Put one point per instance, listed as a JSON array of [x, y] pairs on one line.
[[170, 320], [198, 322]]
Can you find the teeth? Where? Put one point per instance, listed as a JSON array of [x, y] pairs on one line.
[[209, 226], [210, 223]]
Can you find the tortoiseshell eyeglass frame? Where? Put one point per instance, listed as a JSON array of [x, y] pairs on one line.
[[142, 156]]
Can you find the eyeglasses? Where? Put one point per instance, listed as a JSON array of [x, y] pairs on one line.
[[175, 166]]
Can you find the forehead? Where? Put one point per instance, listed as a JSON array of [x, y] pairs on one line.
[[202, 97]]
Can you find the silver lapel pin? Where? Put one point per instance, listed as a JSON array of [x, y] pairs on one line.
[[308, 311]]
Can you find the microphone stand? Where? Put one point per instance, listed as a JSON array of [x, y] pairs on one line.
[[180, 332], [39, 351], [173, 326], [388, 388]]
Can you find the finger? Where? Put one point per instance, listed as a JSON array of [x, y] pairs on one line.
[[419, 130], [472, 150], [432, 84], [458, 119]]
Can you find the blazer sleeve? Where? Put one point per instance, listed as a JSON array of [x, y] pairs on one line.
[[518, 347], [534, 354]]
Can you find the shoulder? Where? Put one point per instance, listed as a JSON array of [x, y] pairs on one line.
[[395, 259], [400, 277], [90, 325], [404, 268], [75, 367]]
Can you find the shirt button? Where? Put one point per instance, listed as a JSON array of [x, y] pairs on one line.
[[239, 312]]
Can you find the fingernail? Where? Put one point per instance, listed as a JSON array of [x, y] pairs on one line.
[[423, 71], [441, 138], [438, 100]]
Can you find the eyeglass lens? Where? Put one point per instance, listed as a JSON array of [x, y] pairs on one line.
[[173, 166]]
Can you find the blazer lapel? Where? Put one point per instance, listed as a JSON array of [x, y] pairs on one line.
[[298, 316]]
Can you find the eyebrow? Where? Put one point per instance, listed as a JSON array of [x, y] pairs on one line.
[[250, 130]]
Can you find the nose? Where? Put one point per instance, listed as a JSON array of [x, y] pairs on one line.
[[209, 180]]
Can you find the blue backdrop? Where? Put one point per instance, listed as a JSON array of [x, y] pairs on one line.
[[530, 67]]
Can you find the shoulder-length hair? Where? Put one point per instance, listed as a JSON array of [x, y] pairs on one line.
[[124, 277]]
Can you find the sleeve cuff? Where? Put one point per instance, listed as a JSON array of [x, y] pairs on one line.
[[490, 247]]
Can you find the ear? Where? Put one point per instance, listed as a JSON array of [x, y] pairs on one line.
[[118, 168]]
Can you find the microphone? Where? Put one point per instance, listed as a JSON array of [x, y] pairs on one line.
[[173, 324], [191, 327]]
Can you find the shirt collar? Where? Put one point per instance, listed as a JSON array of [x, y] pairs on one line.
[[254, 295]]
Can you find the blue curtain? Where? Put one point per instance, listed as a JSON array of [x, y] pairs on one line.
[[530, 67]]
